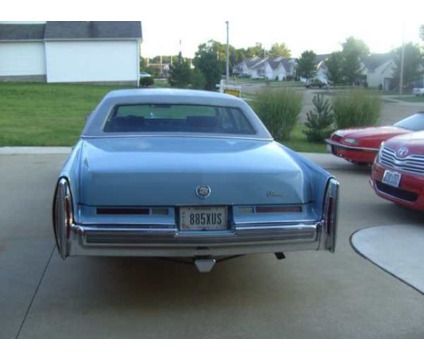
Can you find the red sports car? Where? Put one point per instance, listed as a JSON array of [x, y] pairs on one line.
[[398, 171], [360, 145]]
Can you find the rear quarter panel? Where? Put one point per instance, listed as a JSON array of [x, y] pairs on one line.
[[317, 179], [71, 171]]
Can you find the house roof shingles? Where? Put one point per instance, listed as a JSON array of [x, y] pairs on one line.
[[373, 61], [22, 32], [71, 30]]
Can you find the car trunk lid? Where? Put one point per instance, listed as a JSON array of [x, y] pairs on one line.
[[172, 171]]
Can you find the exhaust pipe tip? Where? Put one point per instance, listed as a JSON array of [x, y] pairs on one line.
[[280, 255], [205, 265]]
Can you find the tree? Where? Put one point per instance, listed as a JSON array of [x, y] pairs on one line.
[[256, 50], [334, 66], [412, 59], [197, 79], [215, 46], [355, 45], [422, 32], [353, 50], [207, 61], [143, 63], [237, 55], [279, 50], [306, 65], [320, 120], [179, 73], [351, 67]]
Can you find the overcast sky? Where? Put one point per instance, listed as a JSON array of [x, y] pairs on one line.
[[173, 25]]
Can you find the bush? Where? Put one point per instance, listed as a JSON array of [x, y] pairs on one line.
[[279, 110], [320, 121], [180, 73], [197, 79], [356, 108], [146, 81]]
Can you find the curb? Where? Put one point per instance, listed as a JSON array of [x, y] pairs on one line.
[[32, 150]]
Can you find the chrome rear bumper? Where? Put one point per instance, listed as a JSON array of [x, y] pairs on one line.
[[165, 242], [168, 241]]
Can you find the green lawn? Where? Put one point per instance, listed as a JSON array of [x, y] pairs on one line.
[[35, 114], [45, 114], [299, 143]]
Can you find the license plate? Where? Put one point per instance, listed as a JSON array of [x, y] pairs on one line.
[[204, 218], [391, 178]]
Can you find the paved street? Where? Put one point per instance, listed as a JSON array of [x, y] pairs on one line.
[[307, 295]]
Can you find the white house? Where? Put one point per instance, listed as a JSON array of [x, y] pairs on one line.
[[378, 70], [286, 68], [71, 51], [261, 70], [277, 68], [22, 53], [322, 72], [245, 67], [279, 71]]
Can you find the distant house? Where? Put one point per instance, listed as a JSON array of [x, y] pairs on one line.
[[22, 52], [378, 70], [289, 67], [277, 68], [71, 51], [322, 72], [261, 70], [244, 68]]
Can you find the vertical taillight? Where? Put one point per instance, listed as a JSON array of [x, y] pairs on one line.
[[330, 215], [63, 217]]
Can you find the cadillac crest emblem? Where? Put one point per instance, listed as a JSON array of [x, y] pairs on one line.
[[203, 191]]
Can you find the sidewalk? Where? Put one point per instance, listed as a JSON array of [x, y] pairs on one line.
[[33, 150]]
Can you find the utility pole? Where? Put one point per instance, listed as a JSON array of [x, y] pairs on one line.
[[227, 72], [402, 62]]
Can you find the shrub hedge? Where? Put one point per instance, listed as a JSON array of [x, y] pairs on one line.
[[356, 108], [279, 109]]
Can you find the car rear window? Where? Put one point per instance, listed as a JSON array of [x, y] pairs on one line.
[[145, 118]]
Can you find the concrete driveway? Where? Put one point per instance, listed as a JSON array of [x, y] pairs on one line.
[[307, 295]]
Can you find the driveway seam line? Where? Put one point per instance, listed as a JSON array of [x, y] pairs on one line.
[[35, 293]]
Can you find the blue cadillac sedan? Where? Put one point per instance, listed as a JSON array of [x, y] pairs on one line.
[[188, 174]]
